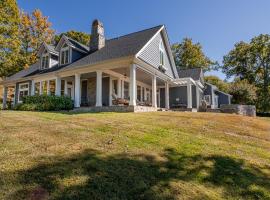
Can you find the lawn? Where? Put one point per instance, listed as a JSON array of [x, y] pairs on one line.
[[163, 155]]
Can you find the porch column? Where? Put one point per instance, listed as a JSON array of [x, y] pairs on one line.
[[5, 92], [212, 98], [154, 91], [119, 88], [145, 96], [99, 89], [197, 96], [141, 94], [33, 88], [167, 95], [110, 90], [189, 95], [58, 86], [123, 89], [77, 99], [132, 85], [66, 88]]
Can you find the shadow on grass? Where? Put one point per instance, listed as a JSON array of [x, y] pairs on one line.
[[91, 175]]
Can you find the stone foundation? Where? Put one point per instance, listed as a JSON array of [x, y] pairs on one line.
[[117, 109], [246, 110]]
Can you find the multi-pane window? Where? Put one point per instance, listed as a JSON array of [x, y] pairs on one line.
[[161, 54], [52, 87], [37, 88], [23, 91], [45, 62], [64, 56]]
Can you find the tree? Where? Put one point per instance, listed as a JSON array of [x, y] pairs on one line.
[[243, 92], [34, 30], [81, 37], [9, 37], [222, 85], [251, 62], [189, 55]]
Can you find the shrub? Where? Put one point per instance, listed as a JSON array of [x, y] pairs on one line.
[[45, 103]]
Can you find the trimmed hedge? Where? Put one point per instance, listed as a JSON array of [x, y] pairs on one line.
[[45, 103]]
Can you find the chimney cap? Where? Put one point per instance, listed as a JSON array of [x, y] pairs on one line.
[[96, 22]]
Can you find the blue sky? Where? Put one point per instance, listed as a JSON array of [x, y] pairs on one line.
[[216, 24]]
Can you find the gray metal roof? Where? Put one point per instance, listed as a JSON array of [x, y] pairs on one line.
[[51, 48], [123, 46], [194, 73]]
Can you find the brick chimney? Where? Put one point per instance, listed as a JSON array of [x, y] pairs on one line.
[[97, 40]]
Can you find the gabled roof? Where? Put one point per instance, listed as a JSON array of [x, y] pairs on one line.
[[215, 88], [73, 43], [120, 47], [127, 45], [194, 73], [49, 48]]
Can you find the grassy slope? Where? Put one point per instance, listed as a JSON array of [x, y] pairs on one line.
[[134, 156]]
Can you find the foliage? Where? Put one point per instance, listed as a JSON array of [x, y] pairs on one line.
[[45, 103], [221, 85], [9, 38], [79, 36], [251, 62], [189, 55], [34, 30], [243, 92]]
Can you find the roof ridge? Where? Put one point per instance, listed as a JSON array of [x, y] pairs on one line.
[[115, 38]]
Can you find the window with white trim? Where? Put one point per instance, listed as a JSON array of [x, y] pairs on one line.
[[23, 91], [64, 56], [161, 54], [207, 99], [45, 61]]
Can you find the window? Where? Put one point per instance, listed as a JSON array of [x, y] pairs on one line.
[[44, 87], [52, 87], [62, 87], [126, 90], [37, 88], [161, 54], [23, 91], [64, 55], [207, 98], [45, 61], [138, 92]]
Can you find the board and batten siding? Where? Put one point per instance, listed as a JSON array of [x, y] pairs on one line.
[[151, 55]]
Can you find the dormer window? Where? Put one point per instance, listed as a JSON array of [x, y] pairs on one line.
[[161, 54], [45, 61], [64, 56]]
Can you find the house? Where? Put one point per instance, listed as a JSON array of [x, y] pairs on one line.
[[133, 72], [214, 97]]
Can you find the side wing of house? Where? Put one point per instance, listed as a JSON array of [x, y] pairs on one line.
[[157, 53]]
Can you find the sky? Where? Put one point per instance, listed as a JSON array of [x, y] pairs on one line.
[[216, 24]]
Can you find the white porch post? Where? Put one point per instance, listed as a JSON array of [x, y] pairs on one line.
[[197, 96], [123, 88], [77, 99], [99, 89], [154, 91], [66, 88], [189, 95], [110, 91], [119, 88], [167, 95], [32, 88], [213, 99], [5, 91], [58, 86], [141, 94], [145, 96], [132, 85]]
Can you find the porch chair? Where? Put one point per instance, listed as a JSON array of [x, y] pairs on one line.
[[119, 101]]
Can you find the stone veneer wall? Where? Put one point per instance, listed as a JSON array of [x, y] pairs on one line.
[[246, 110]]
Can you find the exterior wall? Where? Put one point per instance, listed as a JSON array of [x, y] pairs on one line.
[[76, 55], [223, 98], [54, 60], [162, 97], [208, 91], [246, 110], [17, 90], [151, 55], [105, 91], [180, 93]]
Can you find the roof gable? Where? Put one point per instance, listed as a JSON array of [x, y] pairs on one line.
[[72, 43], [195, 73]]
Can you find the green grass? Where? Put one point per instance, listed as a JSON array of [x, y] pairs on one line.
[[163, 155]]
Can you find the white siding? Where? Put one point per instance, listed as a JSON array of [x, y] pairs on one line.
[[151, 55]]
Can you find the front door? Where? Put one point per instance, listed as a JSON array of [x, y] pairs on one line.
[[84, 100]]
